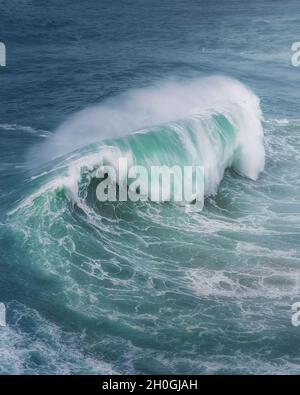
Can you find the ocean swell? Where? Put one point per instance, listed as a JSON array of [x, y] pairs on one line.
[[214, 122]]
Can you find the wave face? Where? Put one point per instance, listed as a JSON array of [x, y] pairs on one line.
[[213, 122]]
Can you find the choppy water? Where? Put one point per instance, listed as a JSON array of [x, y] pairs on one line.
[[147, 287]]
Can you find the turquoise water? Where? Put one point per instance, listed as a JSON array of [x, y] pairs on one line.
[[149, 287]]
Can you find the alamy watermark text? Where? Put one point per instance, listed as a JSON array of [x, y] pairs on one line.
[[296, 54], [2, 55]]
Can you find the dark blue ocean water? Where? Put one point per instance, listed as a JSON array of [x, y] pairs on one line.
[[153, 289]]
